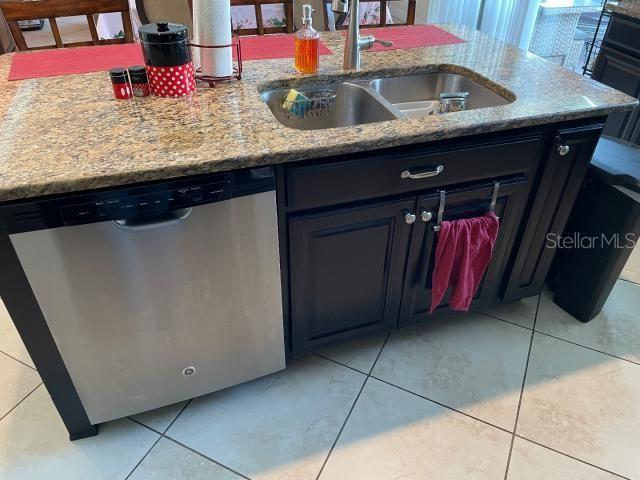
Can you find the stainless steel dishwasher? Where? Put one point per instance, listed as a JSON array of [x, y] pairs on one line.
[[159, 293]]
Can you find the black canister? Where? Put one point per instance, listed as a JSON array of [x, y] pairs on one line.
[[167, 56]]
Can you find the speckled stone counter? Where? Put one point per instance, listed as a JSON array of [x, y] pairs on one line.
[[66, 134], [630, 8]]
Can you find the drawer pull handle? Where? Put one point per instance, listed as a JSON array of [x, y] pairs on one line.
[[426, 216], [420, 175], [563, 150]]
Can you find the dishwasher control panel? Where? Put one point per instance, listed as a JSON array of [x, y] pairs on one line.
[[139, 200], [144, 205]]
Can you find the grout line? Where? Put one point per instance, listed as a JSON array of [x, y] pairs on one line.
[[353, 406], [179, 413], [524, 381], [143, 457], [161, 434], [18, 360], [588, 348], [23, 399], [571, 456], [167, 437], [205, 457], [502, 320], [143, 425], [442, 405], [339, 363], [629, 281]]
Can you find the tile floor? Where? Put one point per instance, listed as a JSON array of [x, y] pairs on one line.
[[518, 392], [72, 29]]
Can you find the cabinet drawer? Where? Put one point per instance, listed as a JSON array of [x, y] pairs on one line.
[[311, 186], [623, 34]]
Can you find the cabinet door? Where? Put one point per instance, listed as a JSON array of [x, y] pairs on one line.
[[560, 182], [621, 72], [346, 272], [460, 203]]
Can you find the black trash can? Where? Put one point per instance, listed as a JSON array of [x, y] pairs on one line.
[[601, 232]]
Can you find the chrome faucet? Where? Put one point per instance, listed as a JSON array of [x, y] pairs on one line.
[[354, 42]]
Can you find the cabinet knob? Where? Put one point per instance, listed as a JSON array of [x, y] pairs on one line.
[[426, 216], [563, 150], [409, 217]]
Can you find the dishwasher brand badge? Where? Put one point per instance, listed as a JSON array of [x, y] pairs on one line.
[[189, 371]]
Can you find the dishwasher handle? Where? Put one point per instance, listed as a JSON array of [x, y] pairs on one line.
[[170, 218]]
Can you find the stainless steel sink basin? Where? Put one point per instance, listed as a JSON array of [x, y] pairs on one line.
[[390, 98], [414, 95], [353, 105]]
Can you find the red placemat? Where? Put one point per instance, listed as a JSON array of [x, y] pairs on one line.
[[65, 61], [265, 47], [411, 36]]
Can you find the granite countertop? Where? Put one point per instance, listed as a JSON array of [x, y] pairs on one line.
[[630, 8], [66, 134]]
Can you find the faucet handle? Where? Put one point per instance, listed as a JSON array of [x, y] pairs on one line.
[[366, 42], [384, 43]]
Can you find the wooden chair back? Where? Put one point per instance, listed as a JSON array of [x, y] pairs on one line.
[[15, 11], [260, 28], [384, 21]]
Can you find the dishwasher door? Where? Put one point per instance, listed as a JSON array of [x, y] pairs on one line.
[[151, 316]]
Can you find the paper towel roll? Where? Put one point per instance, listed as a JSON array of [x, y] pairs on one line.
[[212, 26]]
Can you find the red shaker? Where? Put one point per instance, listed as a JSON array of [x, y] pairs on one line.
[[120, 83], [167, 56]]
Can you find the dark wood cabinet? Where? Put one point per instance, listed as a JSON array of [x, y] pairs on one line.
[[346, 269], [622, 72], [618, 66], [466, 202], [560, 181], [351, 263]]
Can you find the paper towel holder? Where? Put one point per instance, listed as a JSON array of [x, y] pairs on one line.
[[211, 80]]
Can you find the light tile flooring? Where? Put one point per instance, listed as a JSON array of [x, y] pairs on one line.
[[520, 392], [72, 29]]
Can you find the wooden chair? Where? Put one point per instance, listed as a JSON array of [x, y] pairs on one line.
[[410, 20], [15, 11], [7, 44], [261, 29], [180, 11]]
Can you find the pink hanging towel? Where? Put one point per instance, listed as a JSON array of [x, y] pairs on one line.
[[462, 255]]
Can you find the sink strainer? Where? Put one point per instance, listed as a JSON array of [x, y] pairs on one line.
[[309, 104]]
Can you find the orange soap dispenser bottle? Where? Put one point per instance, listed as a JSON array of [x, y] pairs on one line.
[[306, 43]]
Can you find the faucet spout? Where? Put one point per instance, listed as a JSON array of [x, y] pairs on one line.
[[354, 43]]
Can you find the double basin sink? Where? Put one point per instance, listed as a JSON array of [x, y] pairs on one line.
[[367, 101]]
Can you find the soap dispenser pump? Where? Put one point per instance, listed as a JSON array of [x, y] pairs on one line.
[[307, 40]]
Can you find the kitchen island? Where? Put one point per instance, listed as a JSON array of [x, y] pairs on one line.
[[356, 205]]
